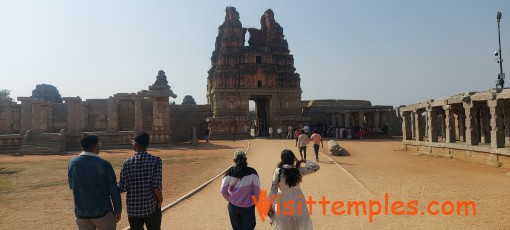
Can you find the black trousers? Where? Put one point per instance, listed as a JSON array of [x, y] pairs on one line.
[[152, 222], [242, 218], [302, 149]]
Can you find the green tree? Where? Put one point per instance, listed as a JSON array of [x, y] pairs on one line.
[[47, 93], [5, 94]]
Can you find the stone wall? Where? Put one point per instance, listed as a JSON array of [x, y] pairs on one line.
[[97, 115], [10, 143], [184, 117], [10, 120], [352, 113]]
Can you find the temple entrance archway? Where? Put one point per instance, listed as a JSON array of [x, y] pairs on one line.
[[261, 119]]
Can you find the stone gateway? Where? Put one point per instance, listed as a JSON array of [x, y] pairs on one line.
[[263, 72]]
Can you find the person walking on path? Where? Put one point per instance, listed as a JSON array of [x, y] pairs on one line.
[[317, 139], [97, 201], [206, 134], [349, 133], [279, 131], [289, 132], [296, 135], [303, 142], [141, 178], [286, 190], [237, 187], [270, 132]]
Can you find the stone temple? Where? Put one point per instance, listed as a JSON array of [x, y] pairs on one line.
[[262, 72]]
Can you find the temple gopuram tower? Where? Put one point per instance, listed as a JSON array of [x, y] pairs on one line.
[[262, 72]]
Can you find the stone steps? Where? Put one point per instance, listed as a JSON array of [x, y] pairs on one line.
[[44, 143]]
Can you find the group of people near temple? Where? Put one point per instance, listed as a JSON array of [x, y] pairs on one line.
[[96, 192], [97, 199], [241, 183], [337, 132]]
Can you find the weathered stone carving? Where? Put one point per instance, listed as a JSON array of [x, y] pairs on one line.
[[160, 88], [27, 136], [263, 72], [161, 78]]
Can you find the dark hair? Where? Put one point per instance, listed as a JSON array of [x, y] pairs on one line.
[[89, 142], [241, 165], [302, 131], [292, 175], [142, 138], [315, 131]]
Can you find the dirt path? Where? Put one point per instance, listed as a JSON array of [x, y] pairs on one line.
[[208, 210], [375, 168]]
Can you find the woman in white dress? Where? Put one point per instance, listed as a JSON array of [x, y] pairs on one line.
[[289, 210]]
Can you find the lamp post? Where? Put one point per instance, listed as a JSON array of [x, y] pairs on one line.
[[500, 83]]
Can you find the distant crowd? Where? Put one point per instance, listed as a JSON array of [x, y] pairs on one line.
[[337, 132]]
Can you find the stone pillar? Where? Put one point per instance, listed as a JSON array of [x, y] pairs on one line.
[[76, 115], [456, 120], [471, 133], [461, 126], [496, 123], [443, 125], [369, 120], [6, 118], [160, 114], [362, 120], [26, 114], [194, 140], [406, 125], [347, 119], [418, 127], [432, 124], [487, 125], [113, 115], [449, 119], [138, 115], [484, 138], [377, 120], [507, 125]]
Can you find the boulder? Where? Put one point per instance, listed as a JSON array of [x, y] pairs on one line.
[[334, 148]]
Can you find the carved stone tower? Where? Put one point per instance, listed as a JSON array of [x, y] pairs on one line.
[[160, 92], [262, 72]]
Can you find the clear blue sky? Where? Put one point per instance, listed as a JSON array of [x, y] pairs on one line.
[[389, 52]]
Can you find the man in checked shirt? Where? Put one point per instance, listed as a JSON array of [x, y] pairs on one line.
[[140, 177]]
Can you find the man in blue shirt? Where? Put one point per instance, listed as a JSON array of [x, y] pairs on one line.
[[94, 187], [141, 178]]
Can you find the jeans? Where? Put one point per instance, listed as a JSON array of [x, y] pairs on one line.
[[152, 222], [242, 218], [316, 149], [107, 222], [302, 149]]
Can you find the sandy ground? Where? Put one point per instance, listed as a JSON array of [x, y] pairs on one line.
[[34, 193], [375, 168]]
